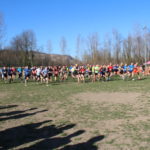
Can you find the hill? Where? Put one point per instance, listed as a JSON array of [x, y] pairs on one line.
[[21, 58]]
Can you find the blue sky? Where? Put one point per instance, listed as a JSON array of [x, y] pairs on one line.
[[52, 19]]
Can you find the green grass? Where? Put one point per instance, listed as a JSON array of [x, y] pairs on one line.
[[63, 110]]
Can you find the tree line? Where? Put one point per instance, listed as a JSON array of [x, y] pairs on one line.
[[115, 48]]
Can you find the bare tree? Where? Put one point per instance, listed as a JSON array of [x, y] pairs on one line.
[[93, 47], [107, 49], [117, 45], [25, 43], [49, 48], [63, 46]]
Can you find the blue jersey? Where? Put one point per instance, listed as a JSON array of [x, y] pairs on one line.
[[19, 70], [27, 71], [45, 71], [131, 67], [115, 67], [125, 68]]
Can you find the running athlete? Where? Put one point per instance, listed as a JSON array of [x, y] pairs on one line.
[[108, 73], [45, 75], [13, 73], [50, 73], [5, 73], [10, 73], [56, 72], [125, 71], [121, 73], [27, 73], [38, 74], [130, 70], [115, 69], [76, 72], [82, 73], [19, 70], [1, 73], [33, 73], [96, 71], [63, 73]]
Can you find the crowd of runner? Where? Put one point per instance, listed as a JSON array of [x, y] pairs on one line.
[[79, 72]]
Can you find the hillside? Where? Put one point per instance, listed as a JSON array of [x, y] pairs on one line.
[[20, 58]]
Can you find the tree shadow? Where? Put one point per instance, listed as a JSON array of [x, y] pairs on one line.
[[89, 145], [8, 106], [53, 143], [18, 116], [44, 135], [15, 112]]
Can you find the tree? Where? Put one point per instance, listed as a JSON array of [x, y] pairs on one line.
[[25, 43], [93, 47], [117, 45], [63, 46], [49, 48]]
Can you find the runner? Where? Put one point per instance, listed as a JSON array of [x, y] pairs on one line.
[[27, 73], [56, 73], [96, 71], [10, 73], [130, 70], [76, 72], [19, 70], [63, 73], [125, 71], [50, 73], [38, 74], [4, 74], [34, 73], [81, 74], [13, 73], [45, 75]]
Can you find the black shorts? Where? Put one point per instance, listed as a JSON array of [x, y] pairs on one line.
[[82, 74], [50, 74], [27, 76], [10, 75], [38, 76], [90, 73], [75, 73], [96, 74], [102, 73], [20, 75], [116, 70], [56, 75], [5, 75], [108, 73], [121, 71]]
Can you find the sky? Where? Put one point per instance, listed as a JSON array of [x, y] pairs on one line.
[[53, 19]]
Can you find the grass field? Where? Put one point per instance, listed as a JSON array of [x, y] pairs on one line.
[[111, 115]]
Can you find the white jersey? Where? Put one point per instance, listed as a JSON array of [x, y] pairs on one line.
[[38, 71]]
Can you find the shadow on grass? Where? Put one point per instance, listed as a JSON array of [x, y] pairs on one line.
[[15, 112], [44, 135], [89, 145], [24, 134], [8, 106], [19, 116]]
